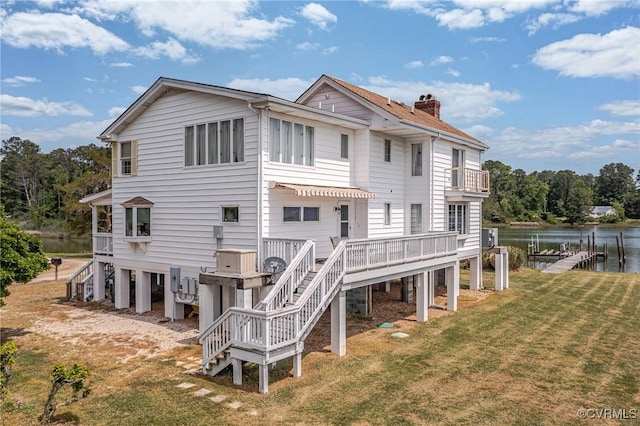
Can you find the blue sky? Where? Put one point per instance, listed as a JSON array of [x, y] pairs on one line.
[[548, 84]]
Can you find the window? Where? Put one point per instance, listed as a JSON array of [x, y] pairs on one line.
[[230, 214], [416, 159], [125, 158], [344, 146], [137, 218], [214, 143], [297, 214], [387, 214], [416, 218], [291, 143], [458, 218], [387, 150]]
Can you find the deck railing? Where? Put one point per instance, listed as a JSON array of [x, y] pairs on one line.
[[78, 279], [465, 179], [103, 243], [291, 278], [283, 248], [387, 251], [283, 326]]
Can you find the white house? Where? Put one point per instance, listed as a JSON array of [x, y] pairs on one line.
[[602, 211], [348, 187]]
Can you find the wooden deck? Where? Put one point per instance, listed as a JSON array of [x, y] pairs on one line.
[[568, 263]]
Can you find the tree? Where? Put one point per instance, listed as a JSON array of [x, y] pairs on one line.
[[615, 183], [60, 376], [578, 202], [22, 256], [8, 352]]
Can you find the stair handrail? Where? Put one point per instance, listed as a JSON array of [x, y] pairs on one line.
[[82, 270], [291, 278]]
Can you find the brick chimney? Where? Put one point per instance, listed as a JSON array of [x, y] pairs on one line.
[[429, 104]]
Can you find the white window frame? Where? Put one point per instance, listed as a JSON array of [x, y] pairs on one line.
[[295, 146], [225, 209], [416, 159], [387, 150], [458, 218], [141, 234], [226, 137], [344, 146], [387, 214], [125, 161], [301, 214]]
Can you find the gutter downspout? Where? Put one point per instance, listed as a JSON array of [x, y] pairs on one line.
[[259, 185]]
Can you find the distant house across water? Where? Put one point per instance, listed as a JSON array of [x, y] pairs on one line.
[[601, 211]]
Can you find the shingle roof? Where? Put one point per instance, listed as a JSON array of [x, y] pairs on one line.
[[403, 111]]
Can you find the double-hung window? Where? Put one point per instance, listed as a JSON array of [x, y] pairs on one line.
[[124, 158], [459, 218], [416, 218], [387, 214], [216, 142], [291, 143], [344, 146], [387, 150]]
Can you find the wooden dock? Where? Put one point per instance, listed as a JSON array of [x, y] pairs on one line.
[[582, 258]]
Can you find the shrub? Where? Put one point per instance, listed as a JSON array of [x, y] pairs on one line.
[[60, 376], [8, 352], [516, 259]]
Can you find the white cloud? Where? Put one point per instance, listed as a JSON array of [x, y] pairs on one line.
[[461, 102], [597, 8], [138, 90], [319, 15], [306, 46], [116, 111], [286, 88], [479, 131], [562, 140], [78, 133], [89, 79], [555, 20], [121, 65], [414, 64], [441, 60], [487, 39], [56, 31], [600, 151], [452, 72], [171, 49], [27, 107], [461, 19], [622, 108], [19, 80], [614, 54], [329, 50], [218, 24]]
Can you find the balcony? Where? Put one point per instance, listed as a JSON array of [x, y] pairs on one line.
[[103, 244], [463, 184]]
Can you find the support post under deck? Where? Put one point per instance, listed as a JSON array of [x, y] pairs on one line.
[[339, 324], [422, 302], [452, 278]]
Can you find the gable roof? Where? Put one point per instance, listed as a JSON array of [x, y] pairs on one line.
[[403, 112]]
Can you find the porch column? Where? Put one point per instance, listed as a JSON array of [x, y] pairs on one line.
[[452, 279], [263, 378], [297, 365], [237, 371], [406, 292], [99, 281], [339, 324], [244, 298], [422, 300], [475, 272], [143, 292], [206, 303], [172, 309], [431, 288], [121, 288]]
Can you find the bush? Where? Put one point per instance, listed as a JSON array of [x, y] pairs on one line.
[[516, 259]]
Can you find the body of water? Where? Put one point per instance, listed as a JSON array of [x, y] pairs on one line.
[[551, 238], [67, 245]]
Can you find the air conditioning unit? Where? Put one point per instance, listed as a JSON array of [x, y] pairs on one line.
[[236, 261]]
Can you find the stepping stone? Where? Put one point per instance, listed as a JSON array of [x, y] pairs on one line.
[[253, 412], [399, 335], [218, 398], [386, 325], [185, 385], [235, 404], [202, 392]]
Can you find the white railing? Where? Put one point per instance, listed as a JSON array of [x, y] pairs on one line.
[[293, 276], [283, 248], [78, 278], [102, 243], [376, 252], [462, 178], [268, 330]]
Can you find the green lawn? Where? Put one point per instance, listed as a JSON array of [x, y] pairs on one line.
[[536, 353]]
